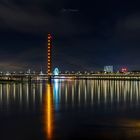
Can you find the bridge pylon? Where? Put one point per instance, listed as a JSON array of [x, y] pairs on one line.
[[49, 55]]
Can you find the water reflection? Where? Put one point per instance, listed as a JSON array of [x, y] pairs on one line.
[[56, 93], [111, 94], [72, 107], [97, 92], [20, 97], [48, 112]]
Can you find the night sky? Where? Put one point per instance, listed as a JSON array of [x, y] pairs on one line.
[[86, 34]]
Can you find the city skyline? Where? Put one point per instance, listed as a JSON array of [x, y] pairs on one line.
[[69, 69]]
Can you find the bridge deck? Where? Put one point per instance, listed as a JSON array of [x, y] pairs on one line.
[[29, 77]]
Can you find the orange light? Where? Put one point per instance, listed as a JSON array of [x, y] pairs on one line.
[[48, 112], [49, 53]]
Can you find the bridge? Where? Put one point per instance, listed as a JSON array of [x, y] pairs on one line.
[[38, 77], [49, 75]]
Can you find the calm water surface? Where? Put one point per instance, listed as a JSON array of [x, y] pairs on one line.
[[67, 110]]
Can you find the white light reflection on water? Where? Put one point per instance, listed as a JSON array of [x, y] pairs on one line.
[[120, 94], [21, 96], [100, 92], [0, 94], [73, 91], [56, 93], [40, 91], [75, 100], [79, 94]]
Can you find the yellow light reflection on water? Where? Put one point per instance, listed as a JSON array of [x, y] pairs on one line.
[[48, 112]]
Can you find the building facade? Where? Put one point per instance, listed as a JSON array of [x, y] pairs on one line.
[[108, 69]]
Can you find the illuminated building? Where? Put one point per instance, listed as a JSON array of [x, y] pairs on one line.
[[108, 69], [49, 53], [124, 70], [56, 71]]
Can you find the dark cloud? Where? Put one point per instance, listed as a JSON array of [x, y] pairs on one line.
[[86, 34], [34, 17], [129, 27]]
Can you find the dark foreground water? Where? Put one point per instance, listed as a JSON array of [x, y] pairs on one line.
[[68, 110]]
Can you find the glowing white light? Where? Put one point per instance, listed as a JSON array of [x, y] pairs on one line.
[[56, 71], [56, 93]]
